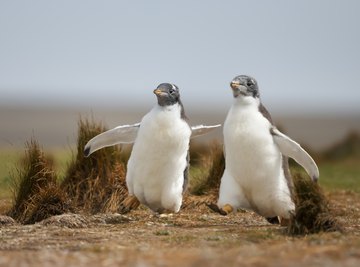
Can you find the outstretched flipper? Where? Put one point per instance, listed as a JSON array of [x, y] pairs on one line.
[[199, 130], [290, 148], [125, 134]]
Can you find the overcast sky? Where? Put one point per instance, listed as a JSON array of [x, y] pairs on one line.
[[304, 54]]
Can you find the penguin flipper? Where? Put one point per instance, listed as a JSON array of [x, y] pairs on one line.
[[199, 130], [290, 148], [125, 134]]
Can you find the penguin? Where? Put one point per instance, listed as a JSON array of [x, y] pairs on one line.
[[257, 175], [157, 170]]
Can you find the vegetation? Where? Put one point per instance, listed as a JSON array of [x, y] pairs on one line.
[[97, 184], [312, 213], [76, 202], [37, 195]]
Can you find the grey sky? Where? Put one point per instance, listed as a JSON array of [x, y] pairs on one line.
[[95, 53]]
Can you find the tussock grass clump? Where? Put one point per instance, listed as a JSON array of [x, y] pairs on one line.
[[95, 183], [197, 153], [118, 192], [49, 201], [312, 213], [35, 179], [347, 148], [207, 181]]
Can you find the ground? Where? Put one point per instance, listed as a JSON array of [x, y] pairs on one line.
[[194, 237]]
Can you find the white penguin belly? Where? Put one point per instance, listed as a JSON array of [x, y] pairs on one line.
[[158, 160], [254, 161]]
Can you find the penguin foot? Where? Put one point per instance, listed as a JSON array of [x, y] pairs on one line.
[[223, 211], [228, 208], [128, 204]]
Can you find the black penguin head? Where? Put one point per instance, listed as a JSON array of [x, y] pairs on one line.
[[243, 85], [167, 94]]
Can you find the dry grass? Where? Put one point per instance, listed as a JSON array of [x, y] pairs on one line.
[[73, 220], [349, 147], [312, 213], [36, 193], [95, 184], [207, 181], [193, 237], [92, 185], [49, 201]]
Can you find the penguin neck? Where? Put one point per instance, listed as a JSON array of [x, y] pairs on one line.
[[247, 102], [176, 108]]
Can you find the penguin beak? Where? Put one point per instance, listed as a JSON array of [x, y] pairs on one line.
[[234, 85], [160, 93], [238, 89], [157, 92]]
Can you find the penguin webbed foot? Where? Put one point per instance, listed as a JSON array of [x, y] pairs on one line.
[[222, 211]]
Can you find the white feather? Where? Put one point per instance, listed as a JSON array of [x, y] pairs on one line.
[[156, 166], [155, 173], [125, 134], [290, 148], [199, 130], [253, 178]]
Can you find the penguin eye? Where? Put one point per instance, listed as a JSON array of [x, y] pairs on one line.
[[249, 83], [171, 91]]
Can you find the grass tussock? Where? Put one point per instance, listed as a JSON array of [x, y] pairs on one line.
[[207, 179], [91, 185], [97, 183], [312, 213], [34, 180], [349, 147], [49, 201]]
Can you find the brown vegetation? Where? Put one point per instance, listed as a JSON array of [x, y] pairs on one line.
[[97, 185], [36, 194], [213, 162], [348, 147], [312, 213]]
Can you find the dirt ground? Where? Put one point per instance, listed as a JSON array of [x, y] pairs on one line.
[[194, 237]]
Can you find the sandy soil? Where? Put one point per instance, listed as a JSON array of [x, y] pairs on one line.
[[194, 237]]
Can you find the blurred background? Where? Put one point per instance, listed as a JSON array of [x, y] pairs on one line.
[[60, 60], [65, 60]]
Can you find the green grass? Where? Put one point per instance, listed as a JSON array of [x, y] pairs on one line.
[[10, 162], [337, 175], [343, 175], [62, 158]]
